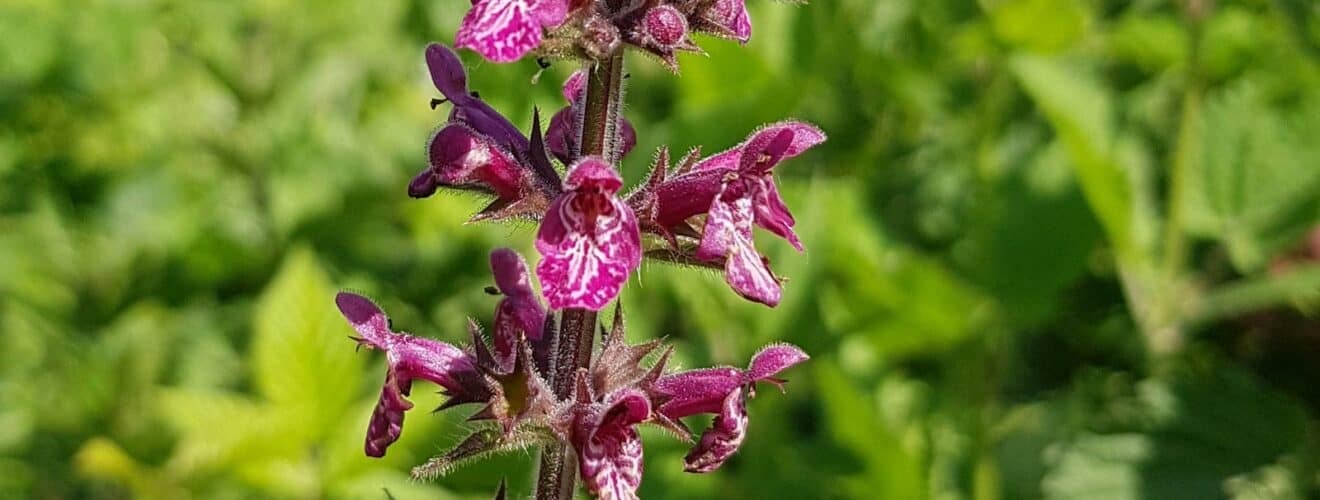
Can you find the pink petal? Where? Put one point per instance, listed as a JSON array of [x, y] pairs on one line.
[[728, 235], [586, 256], [550, 13], [387, 418], [500, 30], [409, 358], [510, 271], [773, 359], [609, 448], [772, 214], [692, 193], [730, 17], [461, 156], [575, 86], [369, 321], [519, 313], [696, 391], [727, 160], [722, 439]]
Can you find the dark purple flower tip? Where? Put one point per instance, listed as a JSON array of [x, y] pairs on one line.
[[369, 321], [773, 359], [506, 30], [663, 27], [608, 447], [560, 135], [447, 73], [722, 439], [461, 156]]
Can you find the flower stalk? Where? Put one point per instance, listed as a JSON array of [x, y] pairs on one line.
[[557, 475]]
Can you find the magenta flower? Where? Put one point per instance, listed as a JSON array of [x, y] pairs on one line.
[[410, 358], [565, 127], [608, 447], [723, 392], [519, 314], [479, 149], [589, 239], [506, 30], [736, 190]]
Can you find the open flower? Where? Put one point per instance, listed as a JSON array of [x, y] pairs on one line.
[[506, 30], [736, 190], [589, 239], [723, 392], [608, 447], [409, 358], [479, 149]]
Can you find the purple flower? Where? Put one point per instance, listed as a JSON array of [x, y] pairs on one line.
[[409, 358], [479, 149], [505, 30], [566, 125], [608, 447], [450, 78], [519, 314], [723, 392], [736, 190], [589, 239]]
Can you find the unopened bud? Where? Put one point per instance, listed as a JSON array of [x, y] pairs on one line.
[[663, 26], [600, 39]]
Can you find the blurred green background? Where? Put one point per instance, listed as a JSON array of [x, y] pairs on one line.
[[1056, 248]]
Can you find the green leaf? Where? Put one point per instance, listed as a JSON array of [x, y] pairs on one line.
[[853, 422], [1255, 187], [1045, 26], [1188, 437], [1080, 111], [302, 360]]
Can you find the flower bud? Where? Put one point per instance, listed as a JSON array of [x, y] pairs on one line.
[[663, 27], [599, 38]]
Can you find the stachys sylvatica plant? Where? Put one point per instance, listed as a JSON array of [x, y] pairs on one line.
[[541, 382]]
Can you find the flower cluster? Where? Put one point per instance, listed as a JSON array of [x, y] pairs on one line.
[[538, 379], [507, 30], [599, 419], [590, 241]]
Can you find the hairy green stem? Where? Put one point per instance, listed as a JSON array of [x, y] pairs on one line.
[[557, 476]]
